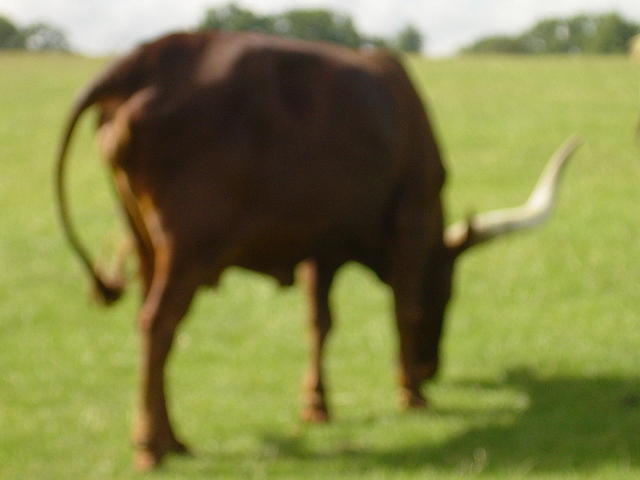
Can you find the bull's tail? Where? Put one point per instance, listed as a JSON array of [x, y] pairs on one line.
[[106, 290]]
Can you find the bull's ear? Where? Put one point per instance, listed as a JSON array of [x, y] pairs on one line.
[[486, 226]]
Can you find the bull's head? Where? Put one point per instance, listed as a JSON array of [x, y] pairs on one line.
[[459, 238]]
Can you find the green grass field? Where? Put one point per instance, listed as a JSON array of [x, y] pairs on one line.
[[542, 350]]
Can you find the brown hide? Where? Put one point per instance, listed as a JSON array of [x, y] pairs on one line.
[[249, 150]]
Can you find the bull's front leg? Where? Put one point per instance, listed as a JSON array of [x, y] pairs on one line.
[[410, 378], [408, 275], [419, 310], [317, 278]]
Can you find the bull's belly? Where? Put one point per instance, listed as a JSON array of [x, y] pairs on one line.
[[276, 248]]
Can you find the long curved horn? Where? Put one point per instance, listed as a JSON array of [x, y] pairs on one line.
[[483, 227]]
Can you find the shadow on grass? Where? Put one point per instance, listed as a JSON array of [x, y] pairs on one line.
[[567, 424]]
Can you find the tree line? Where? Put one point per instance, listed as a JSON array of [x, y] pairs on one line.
[[594, 34], [37, 36], [591, 34], [308, 24]]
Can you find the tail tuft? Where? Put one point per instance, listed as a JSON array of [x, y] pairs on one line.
[[107, 292]]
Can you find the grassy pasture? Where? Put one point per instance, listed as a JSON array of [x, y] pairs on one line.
[[542, 371]]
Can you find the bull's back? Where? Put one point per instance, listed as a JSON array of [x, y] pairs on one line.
[[272, 148]]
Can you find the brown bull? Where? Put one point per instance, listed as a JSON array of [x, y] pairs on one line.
[[249, 150]]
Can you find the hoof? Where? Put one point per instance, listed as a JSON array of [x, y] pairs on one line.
[[314, 415], [412, 401], [180, 448], [147, 458]]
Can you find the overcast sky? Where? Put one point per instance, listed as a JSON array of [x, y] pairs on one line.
[[109, 26]]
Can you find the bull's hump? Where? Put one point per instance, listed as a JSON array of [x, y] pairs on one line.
[[228, 55]]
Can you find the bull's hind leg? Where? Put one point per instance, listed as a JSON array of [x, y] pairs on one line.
[[317, 278], [168, 300]]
